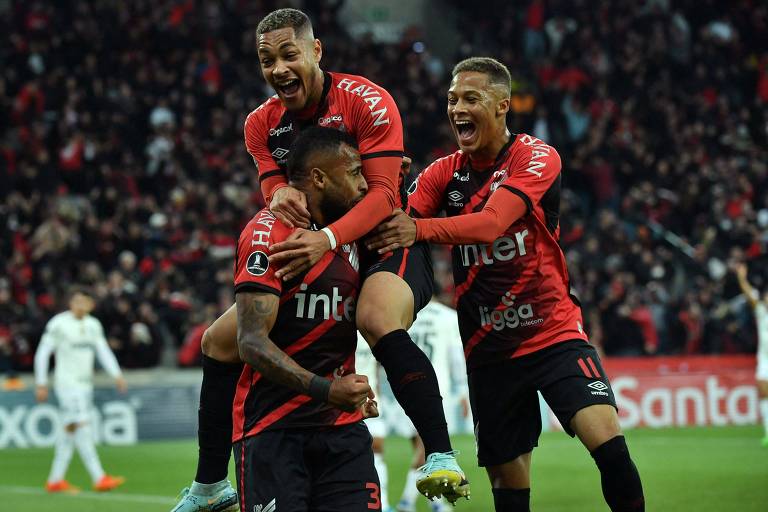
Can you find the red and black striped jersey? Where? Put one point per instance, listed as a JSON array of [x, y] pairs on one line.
[[350, 103], [512, 295], [315, 325]]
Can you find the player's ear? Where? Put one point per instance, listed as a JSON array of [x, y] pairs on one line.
[[502, 106], [318, 177], [318, 50]]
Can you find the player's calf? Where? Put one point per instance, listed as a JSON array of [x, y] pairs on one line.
[[622, 488]]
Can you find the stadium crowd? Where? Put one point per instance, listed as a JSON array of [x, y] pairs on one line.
[[122, 161]]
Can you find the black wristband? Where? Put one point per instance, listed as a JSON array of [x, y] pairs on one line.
[[319, 388]]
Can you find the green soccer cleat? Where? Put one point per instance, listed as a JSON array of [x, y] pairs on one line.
[[442, 476], [223, 500]]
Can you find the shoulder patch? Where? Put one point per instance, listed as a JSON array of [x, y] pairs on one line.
[[257, 263]]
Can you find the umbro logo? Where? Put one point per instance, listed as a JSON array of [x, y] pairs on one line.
[[280, 153], [269, 507], [455, 196], [597, 385]]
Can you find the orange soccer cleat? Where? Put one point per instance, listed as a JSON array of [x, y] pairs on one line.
[[108, 482], [61, 486]]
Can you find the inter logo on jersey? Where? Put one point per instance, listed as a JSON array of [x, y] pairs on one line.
[[257, 263]]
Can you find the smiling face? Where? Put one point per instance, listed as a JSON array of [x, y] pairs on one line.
[[291, 65], [477, 111]]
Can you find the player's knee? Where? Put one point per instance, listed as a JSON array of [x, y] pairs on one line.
[[374, 322], [207, 343]]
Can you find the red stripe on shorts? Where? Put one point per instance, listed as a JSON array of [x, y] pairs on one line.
[[401, 270], [594, 367], [584, 368]]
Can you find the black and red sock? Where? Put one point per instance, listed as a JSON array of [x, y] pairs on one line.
[[414, 384]]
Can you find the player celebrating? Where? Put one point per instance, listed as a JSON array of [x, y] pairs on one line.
[[74, 336], [760, 309], [394, 289], [522, 330], [299, 400]]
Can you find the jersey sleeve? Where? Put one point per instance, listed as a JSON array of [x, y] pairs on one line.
[[425, 195], [535, 168], [379, 132], [253, 272], [44, 352], [104, 354], [271, 177]]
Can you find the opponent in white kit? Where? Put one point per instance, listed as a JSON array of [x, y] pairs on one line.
[[74, 337], [436, 333], [760, 308]]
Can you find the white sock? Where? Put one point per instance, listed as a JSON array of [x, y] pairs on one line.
[[409, 491], [764, 413], [62, 454], [87, 450], [381, 469]]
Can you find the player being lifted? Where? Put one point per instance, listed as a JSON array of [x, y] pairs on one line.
[[522, 330], [74, 337], [394, 288], [299, 400], [760, 309]]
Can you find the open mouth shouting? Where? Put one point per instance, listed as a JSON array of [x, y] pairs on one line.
[[466, 132], [288, 88]]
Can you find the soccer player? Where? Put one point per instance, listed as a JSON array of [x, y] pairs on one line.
[[394, 288], [522, 329], [760, 309], [300, 443], [74, 337]]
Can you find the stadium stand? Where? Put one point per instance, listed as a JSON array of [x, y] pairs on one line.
[[122, 162]]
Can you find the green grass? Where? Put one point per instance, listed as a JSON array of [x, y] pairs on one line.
[[703, 469]]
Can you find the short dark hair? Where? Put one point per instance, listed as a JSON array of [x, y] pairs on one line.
[[497, 72], [79, 289], [309, 143], [285, 18]]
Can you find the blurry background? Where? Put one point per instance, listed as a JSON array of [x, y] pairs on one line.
[[122, 165]]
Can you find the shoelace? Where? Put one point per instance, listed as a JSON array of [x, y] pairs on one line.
[[437, 459]]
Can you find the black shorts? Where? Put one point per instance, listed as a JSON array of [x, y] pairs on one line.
[[413, 264], [323, 470], [505, 406]]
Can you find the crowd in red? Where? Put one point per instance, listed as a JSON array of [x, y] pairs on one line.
[[122, 162]]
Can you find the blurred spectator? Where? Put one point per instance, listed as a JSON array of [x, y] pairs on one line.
[[122, 163]]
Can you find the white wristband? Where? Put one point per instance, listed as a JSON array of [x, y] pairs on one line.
[[330, 236]]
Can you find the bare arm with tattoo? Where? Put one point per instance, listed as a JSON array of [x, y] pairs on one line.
[[256, 315]]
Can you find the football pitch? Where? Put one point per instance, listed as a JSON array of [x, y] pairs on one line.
[[697, 469]]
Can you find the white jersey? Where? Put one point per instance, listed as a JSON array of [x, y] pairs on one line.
[[75, 343], [366, 364]]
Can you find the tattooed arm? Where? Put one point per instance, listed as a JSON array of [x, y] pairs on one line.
[[256, 314]]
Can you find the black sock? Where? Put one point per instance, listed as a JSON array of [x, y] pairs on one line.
[[622, 488], [214, 428], [512, 500], [414, 384]]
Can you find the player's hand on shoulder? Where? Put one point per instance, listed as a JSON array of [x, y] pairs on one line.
[[350, 392], [299, 252], [399, 230], [289, 205], [41, 393]]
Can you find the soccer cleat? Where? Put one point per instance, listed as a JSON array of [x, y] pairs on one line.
[[764, 442], [108, 482], [442, 476], [61, 486], [224, 501]]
